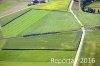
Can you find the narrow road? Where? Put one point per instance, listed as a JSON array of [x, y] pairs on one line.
[[14, 9], [82, 37]]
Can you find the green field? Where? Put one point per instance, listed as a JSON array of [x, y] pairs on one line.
[[34, 55], [65, 40], [95, 5], [3, 63], [91, 48], [38, 21], [91, 43], [37, 50], [32, 24], [53, 16], [9, 18], [61, 5], [20, 24], [53, 21], [88, 19]]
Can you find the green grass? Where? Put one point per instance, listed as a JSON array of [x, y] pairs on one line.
[[91, 43], [37, 21], [13, 16], [20, 24], [65, 40], [95, 5], [34, 58], [61, 5], [88, 19], [3, 63], [91, 48], [38, 57], [53, 21], [34, 55]]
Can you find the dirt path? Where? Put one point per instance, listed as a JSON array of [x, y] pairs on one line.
[[15, 8], [75, 6]]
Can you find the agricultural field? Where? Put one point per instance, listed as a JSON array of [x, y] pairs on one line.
[[90, 53], [22, 23], [34, 35], [61, 5], [38, 50], [47, 23], [42, 24], [88, 19], [3, 63], [9, 18], [27, 25], [64, 40], [17, 50], [91, 48], [34, 55]]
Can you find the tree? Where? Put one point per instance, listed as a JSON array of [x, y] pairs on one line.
[[98, 11], [94, 10]]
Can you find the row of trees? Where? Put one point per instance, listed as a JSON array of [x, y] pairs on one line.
[[98, 11], [91, 10]]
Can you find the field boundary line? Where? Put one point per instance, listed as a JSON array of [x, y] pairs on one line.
[[82, 37]]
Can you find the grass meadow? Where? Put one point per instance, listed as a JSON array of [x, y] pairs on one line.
[[88, 19], [45, 22], [91, 48], [64, 40], [53, 16]]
